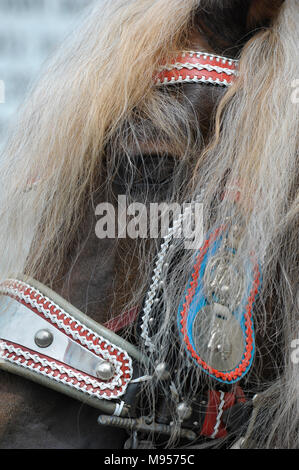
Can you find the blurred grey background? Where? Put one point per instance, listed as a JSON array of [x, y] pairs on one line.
[[29, 31]]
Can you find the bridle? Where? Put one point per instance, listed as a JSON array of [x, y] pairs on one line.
[[45, 339], [198, 67]]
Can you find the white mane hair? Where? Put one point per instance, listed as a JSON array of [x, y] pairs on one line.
[[87, 99]]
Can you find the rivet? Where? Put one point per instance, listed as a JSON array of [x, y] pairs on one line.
[[162, 372], [105, 370], [184, 411], [43, 338]]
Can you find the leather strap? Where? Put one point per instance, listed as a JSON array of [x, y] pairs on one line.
[[79, 345], [198, 67]]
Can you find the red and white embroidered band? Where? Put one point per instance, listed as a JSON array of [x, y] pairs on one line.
[[76, 356], [198, 67]]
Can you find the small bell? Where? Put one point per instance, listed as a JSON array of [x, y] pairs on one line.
[[162, 372], [184, 411]]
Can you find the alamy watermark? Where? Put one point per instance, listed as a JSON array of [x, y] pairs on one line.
[[138, 220]]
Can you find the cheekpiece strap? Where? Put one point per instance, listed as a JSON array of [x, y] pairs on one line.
[[52, 343]]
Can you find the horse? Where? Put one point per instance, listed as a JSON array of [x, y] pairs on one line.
[[161, 101]]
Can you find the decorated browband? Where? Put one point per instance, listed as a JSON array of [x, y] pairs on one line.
[[198, 67]]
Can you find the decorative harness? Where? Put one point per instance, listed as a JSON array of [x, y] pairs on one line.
[[198, 67], [45, 339]]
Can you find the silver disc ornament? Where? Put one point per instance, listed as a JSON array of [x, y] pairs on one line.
[[215, 315]]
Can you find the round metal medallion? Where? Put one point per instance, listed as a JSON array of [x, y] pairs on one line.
[[223, 282], [218, 337]]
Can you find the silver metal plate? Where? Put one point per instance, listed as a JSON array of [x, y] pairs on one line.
[[218, 337], [224, 280], [18, 324]]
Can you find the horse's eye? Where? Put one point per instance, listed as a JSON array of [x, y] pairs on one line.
[[145, 173]]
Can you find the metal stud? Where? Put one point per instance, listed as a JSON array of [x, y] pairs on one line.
[[43, 338], [105, 370], [184, 411], [162, 372]]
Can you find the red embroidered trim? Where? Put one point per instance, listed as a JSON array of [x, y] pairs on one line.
[[198, 67], [57, 374], [225, 376], [230, 399]]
